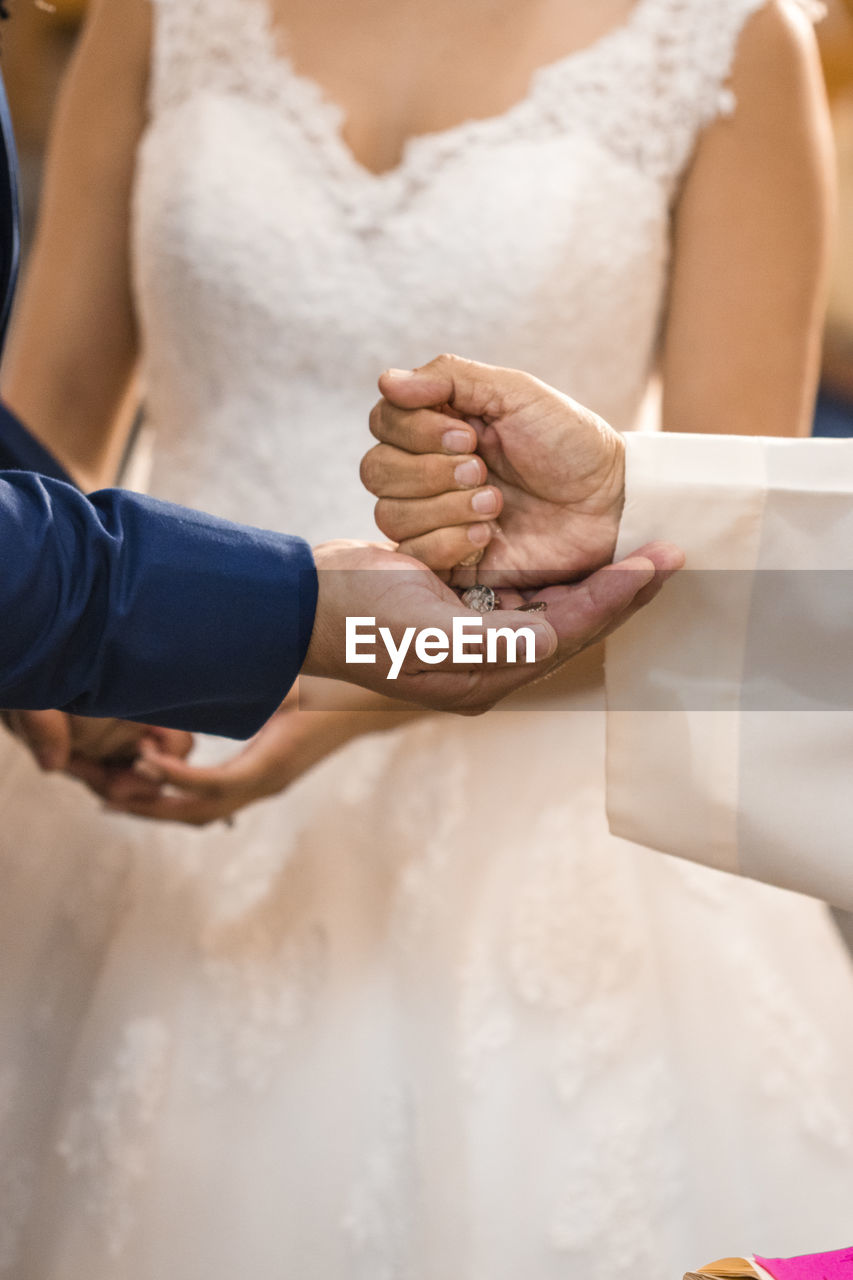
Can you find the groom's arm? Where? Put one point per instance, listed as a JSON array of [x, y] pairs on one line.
[[118, 605]]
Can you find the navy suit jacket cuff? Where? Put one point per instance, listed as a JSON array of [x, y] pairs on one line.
[[120, 605], [210, 620]]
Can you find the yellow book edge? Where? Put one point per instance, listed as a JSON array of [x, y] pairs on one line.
[[726, 1269]]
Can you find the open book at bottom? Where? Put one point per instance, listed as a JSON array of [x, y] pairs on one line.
[[818, 1266], [728, 1269]]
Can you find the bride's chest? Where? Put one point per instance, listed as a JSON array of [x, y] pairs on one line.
[[403, 68], [248, 203]]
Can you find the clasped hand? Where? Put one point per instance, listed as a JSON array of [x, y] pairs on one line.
[[480, 474], [97, 752], [460, 441]]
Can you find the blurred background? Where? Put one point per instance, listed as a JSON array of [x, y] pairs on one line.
[[37, 44]]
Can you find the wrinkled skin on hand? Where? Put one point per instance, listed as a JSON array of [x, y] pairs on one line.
[[550, 471]]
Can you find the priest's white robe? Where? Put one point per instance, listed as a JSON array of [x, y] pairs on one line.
[[730, 698]]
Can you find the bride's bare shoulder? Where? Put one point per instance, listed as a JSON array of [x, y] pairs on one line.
[[778, 48]]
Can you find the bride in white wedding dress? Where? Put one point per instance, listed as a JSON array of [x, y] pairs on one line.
[[419, 1017]]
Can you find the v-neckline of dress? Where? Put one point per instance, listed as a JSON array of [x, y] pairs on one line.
[[326, 122]]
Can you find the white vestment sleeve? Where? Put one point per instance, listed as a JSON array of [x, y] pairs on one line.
[[730, 698]]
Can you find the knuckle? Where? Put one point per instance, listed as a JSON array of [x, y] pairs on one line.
[[438, 472], [440, 549], [369, 471], [375, 419], [416, 549], [429, 551], [450, 544], [406, 435], [420, 434], [386, 515]]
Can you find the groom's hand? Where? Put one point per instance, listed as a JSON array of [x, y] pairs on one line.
[[369, 582], [524, 480]]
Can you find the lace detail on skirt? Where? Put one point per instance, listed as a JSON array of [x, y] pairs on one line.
[[107, 1138], [17, 1176]]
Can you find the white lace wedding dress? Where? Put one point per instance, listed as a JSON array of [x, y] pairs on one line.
[[421, 1018]]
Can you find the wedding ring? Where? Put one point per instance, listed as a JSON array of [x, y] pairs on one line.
[[481, 599]]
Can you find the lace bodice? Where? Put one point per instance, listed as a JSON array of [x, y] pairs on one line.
[[277, 276]]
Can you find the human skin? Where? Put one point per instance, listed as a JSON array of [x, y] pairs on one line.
[[740, 337]]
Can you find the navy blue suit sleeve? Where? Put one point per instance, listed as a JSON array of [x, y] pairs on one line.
[[20, 451], [119, 605]]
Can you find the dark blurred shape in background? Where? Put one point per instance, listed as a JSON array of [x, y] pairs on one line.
[[834, 416]]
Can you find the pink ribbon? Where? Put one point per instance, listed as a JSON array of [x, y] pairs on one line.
[[817, 1266]]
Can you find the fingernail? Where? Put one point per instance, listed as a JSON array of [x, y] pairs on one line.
[[486, 502], [457, 441], [469, 473], [399, 373], [479, 534], [145, 769]]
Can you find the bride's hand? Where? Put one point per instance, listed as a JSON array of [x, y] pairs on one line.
[[291, 743], [96, 751]]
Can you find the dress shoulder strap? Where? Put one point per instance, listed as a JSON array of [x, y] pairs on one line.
[[647, 89], [695, 50], [205, 44]]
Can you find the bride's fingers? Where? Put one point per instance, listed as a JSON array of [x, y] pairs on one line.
[[421, 430], [213, 783], [403, 518], [389, 472], [183, 793], [190, 810], [109, 782]]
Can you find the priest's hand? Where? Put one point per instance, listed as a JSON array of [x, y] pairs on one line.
[[487, 466]]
